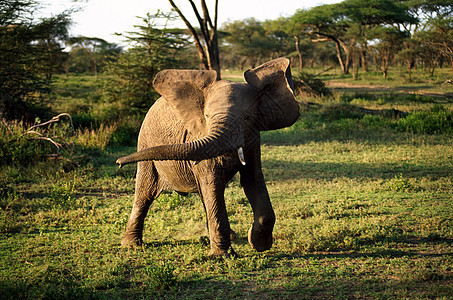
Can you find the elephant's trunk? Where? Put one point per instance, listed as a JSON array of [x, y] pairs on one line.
[[223, 137]]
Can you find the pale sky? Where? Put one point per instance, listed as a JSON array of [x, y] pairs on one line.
[[102, 18]]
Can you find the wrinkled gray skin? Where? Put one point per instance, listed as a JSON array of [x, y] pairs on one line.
[[199, 134]]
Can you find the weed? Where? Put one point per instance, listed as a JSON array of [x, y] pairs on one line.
[[62, 195], [161, 275], [400, 184]]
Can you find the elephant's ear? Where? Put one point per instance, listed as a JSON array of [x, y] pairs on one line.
[[185, 91], [277, 106]]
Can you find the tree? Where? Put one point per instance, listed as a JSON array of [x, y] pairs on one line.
[[28, 51], [438, 38], [152, 49], [250, 40], [208, 52], [280, 41], [326, 23], [347, 24], [92, 47], [428, 12], [388, 42]]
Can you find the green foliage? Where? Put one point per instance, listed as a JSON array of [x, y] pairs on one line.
[[438, 120], [89, 55], [161, 275], [129, 78], [306, 84], [30, 51], [18, 147], [400, 184], [252, 41], [62, 195], [126, 132]]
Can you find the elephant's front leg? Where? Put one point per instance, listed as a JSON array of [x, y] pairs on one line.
[[252, 181], [147, 189], [211, 189]]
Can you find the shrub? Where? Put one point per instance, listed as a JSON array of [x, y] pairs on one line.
[[95, 138], [341, 111], [18, 148], [438, 120], [62, 195], [126, 132], [161, 276], [308, 85]]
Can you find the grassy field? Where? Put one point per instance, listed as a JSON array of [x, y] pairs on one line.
[[363, 205]]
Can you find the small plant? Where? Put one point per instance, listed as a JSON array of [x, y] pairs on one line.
[[400, 184], [161, 276], [62, 194]]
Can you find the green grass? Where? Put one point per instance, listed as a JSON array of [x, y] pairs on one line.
[[364, 210]]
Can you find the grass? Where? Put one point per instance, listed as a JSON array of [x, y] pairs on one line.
[[362, 212]]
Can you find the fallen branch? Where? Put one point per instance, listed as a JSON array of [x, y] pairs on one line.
[[448, 81], [325, 70], [42, 137], [52, 140], [53, 120]]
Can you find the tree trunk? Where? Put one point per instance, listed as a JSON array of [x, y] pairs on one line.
[[355, 64], [340, 58], [363, 56], [409, 69], [299, 53], [209, 55]]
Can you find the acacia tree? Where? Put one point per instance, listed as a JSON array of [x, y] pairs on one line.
[[326, 23], [348, 23], [90, 46], [388, 41], [436, 34], [254, 40], [28, 51], [152, 48], [422, 33], [279, 39], [208, 46], [441, 34]]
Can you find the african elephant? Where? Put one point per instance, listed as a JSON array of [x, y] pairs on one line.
[[199, 134]]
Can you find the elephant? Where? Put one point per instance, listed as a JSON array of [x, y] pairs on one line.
[[199, 134]]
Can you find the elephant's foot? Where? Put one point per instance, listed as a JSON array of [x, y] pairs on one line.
[[217, 253], [260, 237], [131, 241]]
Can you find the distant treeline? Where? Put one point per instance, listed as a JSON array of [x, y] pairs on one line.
[[354, 35]]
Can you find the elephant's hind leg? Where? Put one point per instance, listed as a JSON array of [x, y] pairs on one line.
[[147, 188]]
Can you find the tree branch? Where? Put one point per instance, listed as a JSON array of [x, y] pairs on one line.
[[207, 18], [201, 52]]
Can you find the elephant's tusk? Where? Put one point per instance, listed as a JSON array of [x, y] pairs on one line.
[[241, 155]]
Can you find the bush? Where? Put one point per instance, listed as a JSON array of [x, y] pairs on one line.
[[308, 85], [126, 132], [341, 111], [161, 277], [17, 148], [438, 120]]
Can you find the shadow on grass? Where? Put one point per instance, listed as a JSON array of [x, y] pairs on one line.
[[283, 170]]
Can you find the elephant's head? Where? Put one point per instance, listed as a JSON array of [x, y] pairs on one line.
[[222, 112]]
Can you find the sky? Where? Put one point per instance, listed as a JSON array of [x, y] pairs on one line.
[[104, 18]]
